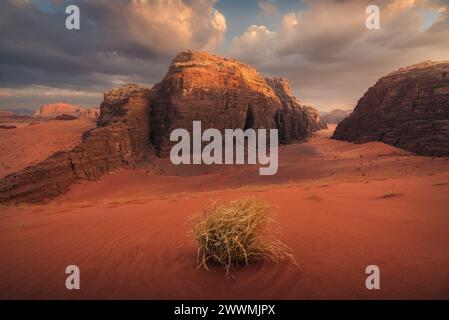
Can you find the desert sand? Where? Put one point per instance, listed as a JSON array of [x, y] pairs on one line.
[[29, 144], [341, 208]]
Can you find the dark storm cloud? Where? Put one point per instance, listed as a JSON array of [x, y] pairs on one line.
[[323, 47], [119, 41]]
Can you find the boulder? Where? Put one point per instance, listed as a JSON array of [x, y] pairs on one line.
[[292, 119]]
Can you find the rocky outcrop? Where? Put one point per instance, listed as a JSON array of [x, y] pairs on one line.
[[408, 109], [135, 122], [221, 93], [53, 110], [292, 119], [116, 142], [66, 117], [88, 113], [335, 116], [314, 119]]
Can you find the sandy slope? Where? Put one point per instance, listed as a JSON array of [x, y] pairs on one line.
[[30, 144], [341, 207]]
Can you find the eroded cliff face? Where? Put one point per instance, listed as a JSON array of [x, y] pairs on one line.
[[121, 139], [135, 121], [221, 93], [314, 119], [291, 118], [408, 109]]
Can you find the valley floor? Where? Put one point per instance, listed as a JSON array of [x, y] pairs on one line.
[[341, 208]]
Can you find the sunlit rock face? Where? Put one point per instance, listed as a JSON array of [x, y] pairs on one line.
[[135, 122], [54, 110], [221, 93], [408, 108]]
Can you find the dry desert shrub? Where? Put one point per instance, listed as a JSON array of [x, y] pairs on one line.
[[235, 233]]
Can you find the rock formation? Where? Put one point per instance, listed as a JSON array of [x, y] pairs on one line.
[[117, 141], [335, 116], [66, 117], [314, 119], [51, 111], [408, 109], [294, 121], [135, 122], [222, 93]]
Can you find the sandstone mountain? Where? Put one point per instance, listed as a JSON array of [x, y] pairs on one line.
[[66, 117], [315, 119], [222, 93], [52, 110], [408, 109], [136, 122], [335, 116], [120, 139], [295, 122]]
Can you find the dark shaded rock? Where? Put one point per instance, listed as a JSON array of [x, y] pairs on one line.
[[408, 109], [292, 120], [314, 120], [65, 117]]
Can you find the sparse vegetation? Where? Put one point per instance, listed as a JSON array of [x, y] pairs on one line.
[[236, 233], [391, 195]]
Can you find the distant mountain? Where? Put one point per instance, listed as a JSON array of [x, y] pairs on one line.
[[19, 111], [335, 116], [56, 109], [4, 113]]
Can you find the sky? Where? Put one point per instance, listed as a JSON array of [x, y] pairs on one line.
[[321, 46]]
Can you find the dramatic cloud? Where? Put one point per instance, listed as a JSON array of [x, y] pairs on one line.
[[256, 44], [322, 46], [330, 56], [119, 41]]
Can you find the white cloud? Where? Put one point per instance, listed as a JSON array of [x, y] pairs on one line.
[[256, 42], [218, 22], [166, 27], [329, 55]]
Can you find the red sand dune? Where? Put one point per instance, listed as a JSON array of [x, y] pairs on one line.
[[341, 207], [27, 145]]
